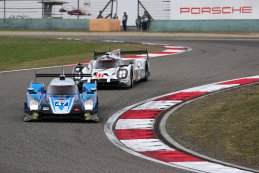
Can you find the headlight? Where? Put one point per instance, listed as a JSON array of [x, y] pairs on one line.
[[77, 78], [78, 69], [122, 73], [89, 105], [34, 105]]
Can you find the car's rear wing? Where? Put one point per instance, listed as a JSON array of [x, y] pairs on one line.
[[97, 54], [63, 75], [75, 76]]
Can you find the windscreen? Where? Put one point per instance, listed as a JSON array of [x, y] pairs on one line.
[[106, 64], [62, 90]]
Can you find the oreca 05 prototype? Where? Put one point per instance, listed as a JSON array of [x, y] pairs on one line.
[[61, 99]]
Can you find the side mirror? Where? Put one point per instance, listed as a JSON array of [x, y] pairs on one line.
[[93, 89], [30, 90]]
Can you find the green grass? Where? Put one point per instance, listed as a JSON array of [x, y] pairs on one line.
[[224, 126], [18, 52]]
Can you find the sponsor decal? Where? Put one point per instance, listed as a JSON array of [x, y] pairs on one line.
[[216, 10], [45, 108]]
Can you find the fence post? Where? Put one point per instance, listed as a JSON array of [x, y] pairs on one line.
[[138, 8], [42, 8], [4, 9], [77, 9], [112, 9]]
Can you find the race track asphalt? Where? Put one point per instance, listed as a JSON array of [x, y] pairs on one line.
[[76, 147]]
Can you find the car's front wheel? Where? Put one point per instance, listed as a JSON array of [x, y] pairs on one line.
[[146, 73], [131, 84], [27, 118]]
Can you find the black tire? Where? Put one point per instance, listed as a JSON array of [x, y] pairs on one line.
[[146, 73], [131, 79], [26, 118], [96, 120]]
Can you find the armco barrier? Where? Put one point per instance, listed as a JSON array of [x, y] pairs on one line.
[[204, 25], [104, 25], [44, 24]]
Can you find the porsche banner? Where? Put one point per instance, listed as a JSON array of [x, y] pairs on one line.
[[214, 9]]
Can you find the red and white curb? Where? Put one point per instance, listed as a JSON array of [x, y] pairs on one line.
[[132, 129], [170, 50]]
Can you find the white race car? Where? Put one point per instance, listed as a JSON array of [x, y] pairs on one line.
[[109, 68]]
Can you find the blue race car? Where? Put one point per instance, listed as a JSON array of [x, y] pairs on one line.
[[62, 98]]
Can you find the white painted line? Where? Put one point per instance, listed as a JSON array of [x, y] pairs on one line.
[[145, 145], [153, 55], [156, 105], [113, 41], [253, 77], [37, 68], [135, 124], [170, 46], [177, 51], [209, 88]]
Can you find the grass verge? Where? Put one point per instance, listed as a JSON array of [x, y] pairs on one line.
[[224, 126], [18, 52]]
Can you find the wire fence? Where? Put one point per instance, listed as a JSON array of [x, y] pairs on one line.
[[67, 9], [158, 9], [81, 9]]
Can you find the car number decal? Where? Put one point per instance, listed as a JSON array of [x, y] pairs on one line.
[[61, 103], [99, 75]]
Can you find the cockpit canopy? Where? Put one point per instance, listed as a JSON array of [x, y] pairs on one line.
[[62, 90], [106, 63], [62, 87]]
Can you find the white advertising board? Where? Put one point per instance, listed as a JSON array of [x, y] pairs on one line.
[[214, 9]]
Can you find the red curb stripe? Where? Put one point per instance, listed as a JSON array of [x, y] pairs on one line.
[[129, 134], [181, 96], [240, 81], [171, 156], [141, 114]]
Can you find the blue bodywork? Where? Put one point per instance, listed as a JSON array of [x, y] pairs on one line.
[[40, 103]]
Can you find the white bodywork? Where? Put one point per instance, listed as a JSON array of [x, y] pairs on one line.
[[106, 69], [65, 82]]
